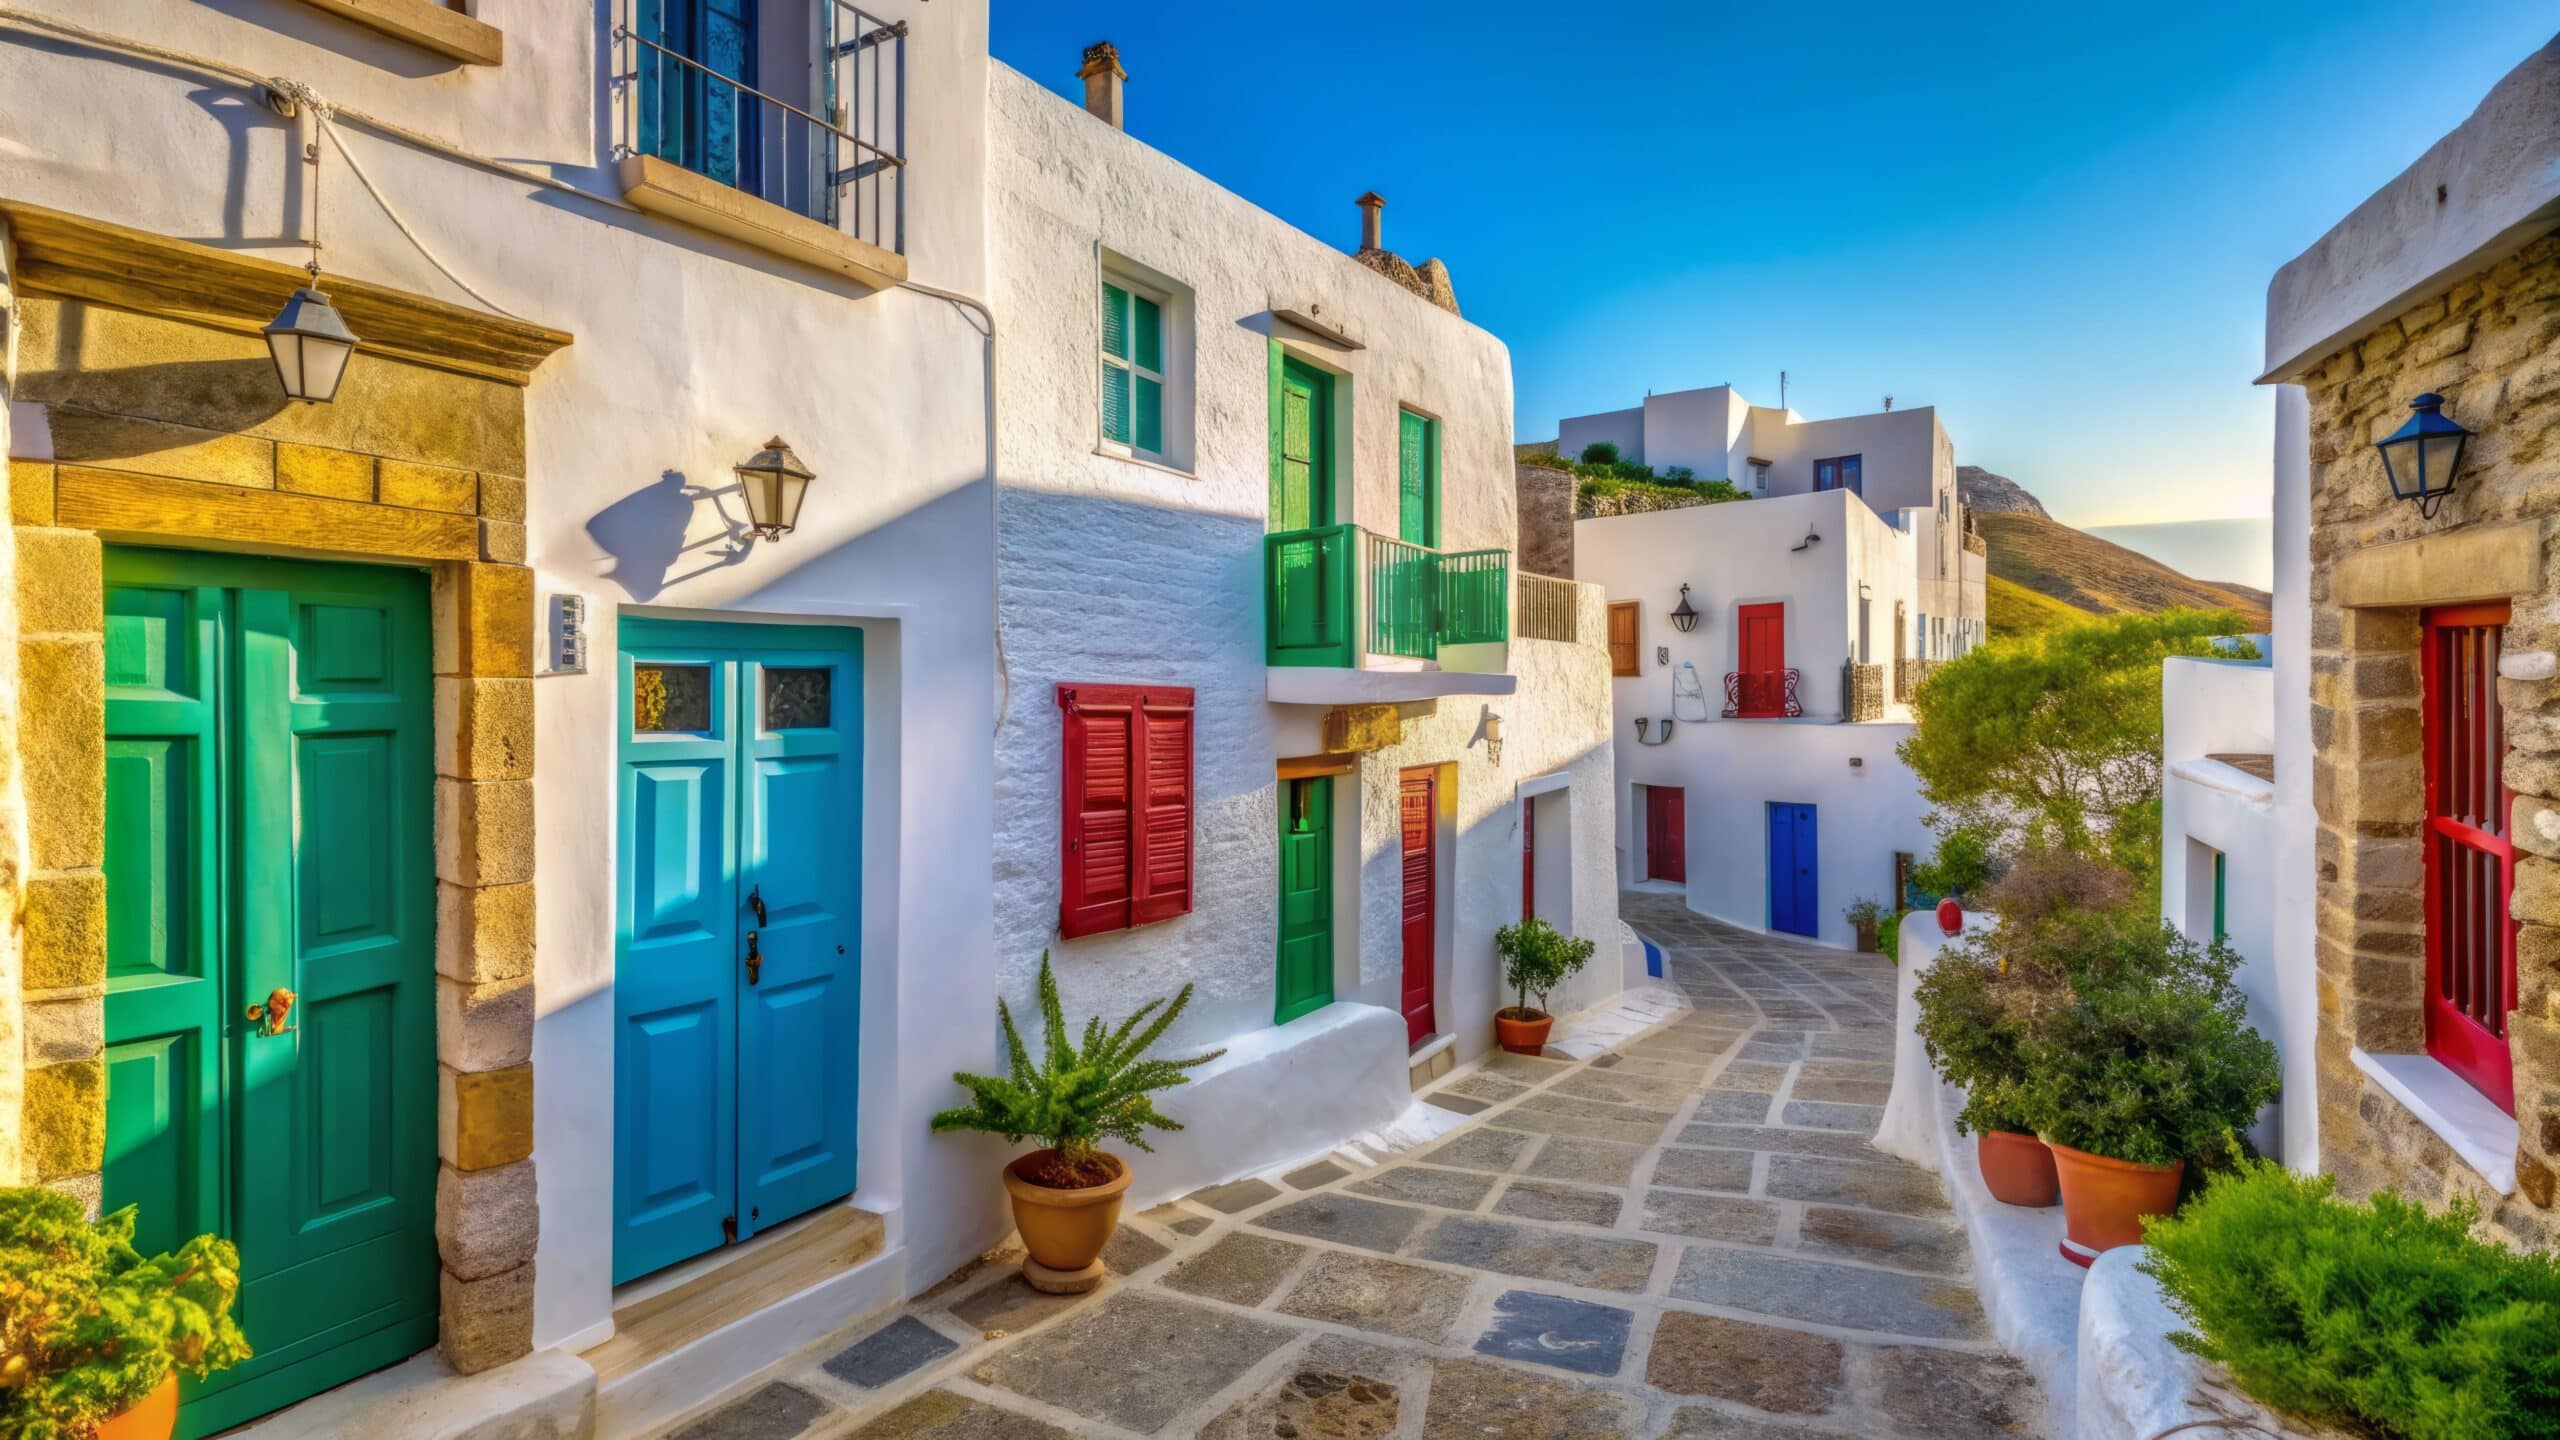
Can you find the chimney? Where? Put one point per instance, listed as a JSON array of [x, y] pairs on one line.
[[1103, 78], [1372, 228]]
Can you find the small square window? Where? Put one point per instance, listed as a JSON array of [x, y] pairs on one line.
[[668, 699], [798, 698]]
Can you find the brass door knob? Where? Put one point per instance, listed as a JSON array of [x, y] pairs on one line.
[[271, 1016]]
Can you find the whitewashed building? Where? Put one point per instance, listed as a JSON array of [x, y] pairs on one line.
[[1255, 505], [594, 873], [1764, 651]]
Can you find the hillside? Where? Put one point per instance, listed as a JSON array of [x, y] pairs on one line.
[[2017, 610], [2087, 573], [1988, 494]]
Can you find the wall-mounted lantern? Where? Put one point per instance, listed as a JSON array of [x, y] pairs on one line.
[[2422, 456], [1493, 737], [776, 482], [1683, 618]]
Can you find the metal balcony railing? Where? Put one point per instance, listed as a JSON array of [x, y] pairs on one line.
[[1762, 694], [1337, 594], [839, 158], [1548, 608]]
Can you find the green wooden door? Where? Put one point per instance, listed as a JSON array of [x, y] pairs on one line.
[[270, 830], [1306, 897], [1418, 480], [1302, 448]]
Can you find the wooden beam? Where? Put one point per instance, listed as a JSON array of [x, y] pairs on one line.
[[150, 507]]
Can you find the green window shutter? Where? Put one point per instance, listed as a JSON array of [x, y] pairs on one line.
[[1148, 431], [1146, 334], [1115, 321], [1418, 520], [2221, 926], [1115, 404]]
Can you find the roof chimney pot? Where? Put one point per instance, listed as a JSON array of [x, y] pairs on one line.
[[1103, 79], [1372, 226]]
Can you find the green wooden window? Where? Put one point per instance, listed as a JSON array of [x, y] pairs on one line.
[[1418, 480], [1132, 369], [1302, 444], [2221, 899]]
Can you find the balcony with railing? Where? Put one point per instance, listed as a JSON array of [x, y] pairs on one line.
[[1762, 694], [812, 167], [1351, 617]]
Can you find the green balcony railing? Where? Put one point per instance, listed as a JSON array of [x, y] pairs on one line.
[[1335, 594]]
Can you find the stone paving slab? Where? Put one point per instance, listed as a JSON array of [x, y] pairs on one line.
[[1686, 1235]]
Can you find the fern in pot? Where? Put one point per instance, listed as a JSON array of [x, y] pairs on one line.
[[1066, 1194]]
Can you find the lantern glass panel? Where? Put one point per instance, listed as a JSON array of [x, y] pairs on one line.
[[287, 348], [324, 364]]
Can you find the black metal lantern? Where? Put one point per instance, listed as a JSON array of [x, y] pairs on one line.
[[310, 342], [2422, 456], [776, 482], [1683, 618]]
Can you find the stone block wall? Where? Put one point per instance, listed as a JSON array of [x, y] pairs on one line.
[[2491, 346], [1866, 693], [1546, 497]]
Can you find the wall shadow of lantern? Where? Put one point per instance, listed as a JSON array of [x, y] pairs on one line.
[[2420, 458]]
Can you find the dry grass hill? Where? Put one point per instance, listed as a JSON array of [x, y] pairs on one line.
[[2041, 568]]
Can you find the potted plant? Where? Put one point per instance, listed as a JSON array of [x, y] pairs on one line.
[[1536, 958], [1973, 1022], [1868, 917], [1066, 1194], [93, 1334], [2145, 1064]]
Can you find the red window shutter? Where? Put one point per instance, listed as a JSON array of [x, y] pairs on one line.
[[1125, 854]]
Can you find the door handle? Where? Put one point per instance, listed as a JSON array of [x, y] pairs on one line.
[[755, 959], [271, 1015], [755, 902]]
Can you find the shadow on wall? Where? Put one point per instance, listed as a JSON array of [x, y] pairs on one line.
[[645, 533]]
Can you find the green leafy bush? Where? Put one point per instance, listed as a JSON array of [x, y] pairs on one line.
[[1079, 1093], [1976, 1034], [1536, 958], [1960, 865], [1600, 452], [2146, 1055], [2377, 1317], [89, 1326]]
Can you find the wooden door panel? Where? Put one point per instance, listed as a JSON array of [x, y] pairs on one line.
[[1666, 833], [1419, 825], [1306, 897]]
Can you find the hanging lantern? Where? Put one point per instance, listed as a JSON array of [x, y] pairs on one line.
[[2420, 457], [310, 342], [775, 482], [1683, 618]]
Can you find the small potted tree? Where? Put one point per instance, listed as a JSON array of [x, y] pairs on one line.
[[2147, 1063], [1536, 958], [1868, 918], [1973, 1021], [93, 1334], [1066, 1194]]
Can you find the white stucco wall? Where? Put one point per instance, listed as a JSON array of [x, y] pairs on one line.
[[2294, 892], [1119, 571], [689, 351]]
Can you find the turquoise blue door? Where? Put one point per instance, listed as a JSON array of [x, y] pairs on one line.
[[737, 994], [1795, 884], [270, 1007]]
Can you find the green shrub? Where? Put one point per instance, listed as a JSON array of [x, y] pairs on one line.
[[1536, 958], [89, 1326], [1889, 937], [1600, 452], [2146, 1055], [2376, 1317], [1079, 1093], [1960, 865]]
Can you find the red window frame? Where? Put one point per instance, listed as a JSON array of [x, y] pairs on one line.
[[2470, 861], [1124, 849]]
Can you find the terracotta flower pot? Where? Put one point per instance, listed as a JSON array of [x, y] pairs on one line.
[[2017, 1167], [1064, 1230], [152, 1417], [1522, 1032], [2103, 1200]]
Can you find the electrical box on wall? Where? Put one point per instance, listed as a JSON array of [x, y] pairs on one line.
[[568, 634]]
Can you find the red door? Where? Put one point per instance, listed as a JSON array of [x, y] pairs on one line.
[[1421, 917], [2470, 858], [1763, 659], [1666, 833], [1528, 858]]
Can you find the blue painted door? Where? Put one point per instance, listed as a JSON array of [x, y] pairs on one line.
[[1795, 902], [737, 969]]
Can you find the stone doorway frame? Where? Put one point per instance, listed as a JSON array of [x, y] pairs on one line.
[[152, 446]]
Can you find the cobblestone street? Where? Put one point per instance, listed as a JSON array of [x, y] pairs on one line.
[[1685, 1236]]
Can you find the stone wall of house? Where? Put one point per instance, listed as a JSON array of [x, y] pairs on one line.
[[1546, 519], [2491, 346], [13, 812], [1865, 700]]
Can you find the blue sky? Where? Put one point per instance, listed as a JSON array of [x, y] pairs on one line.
[[2054, 222]]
